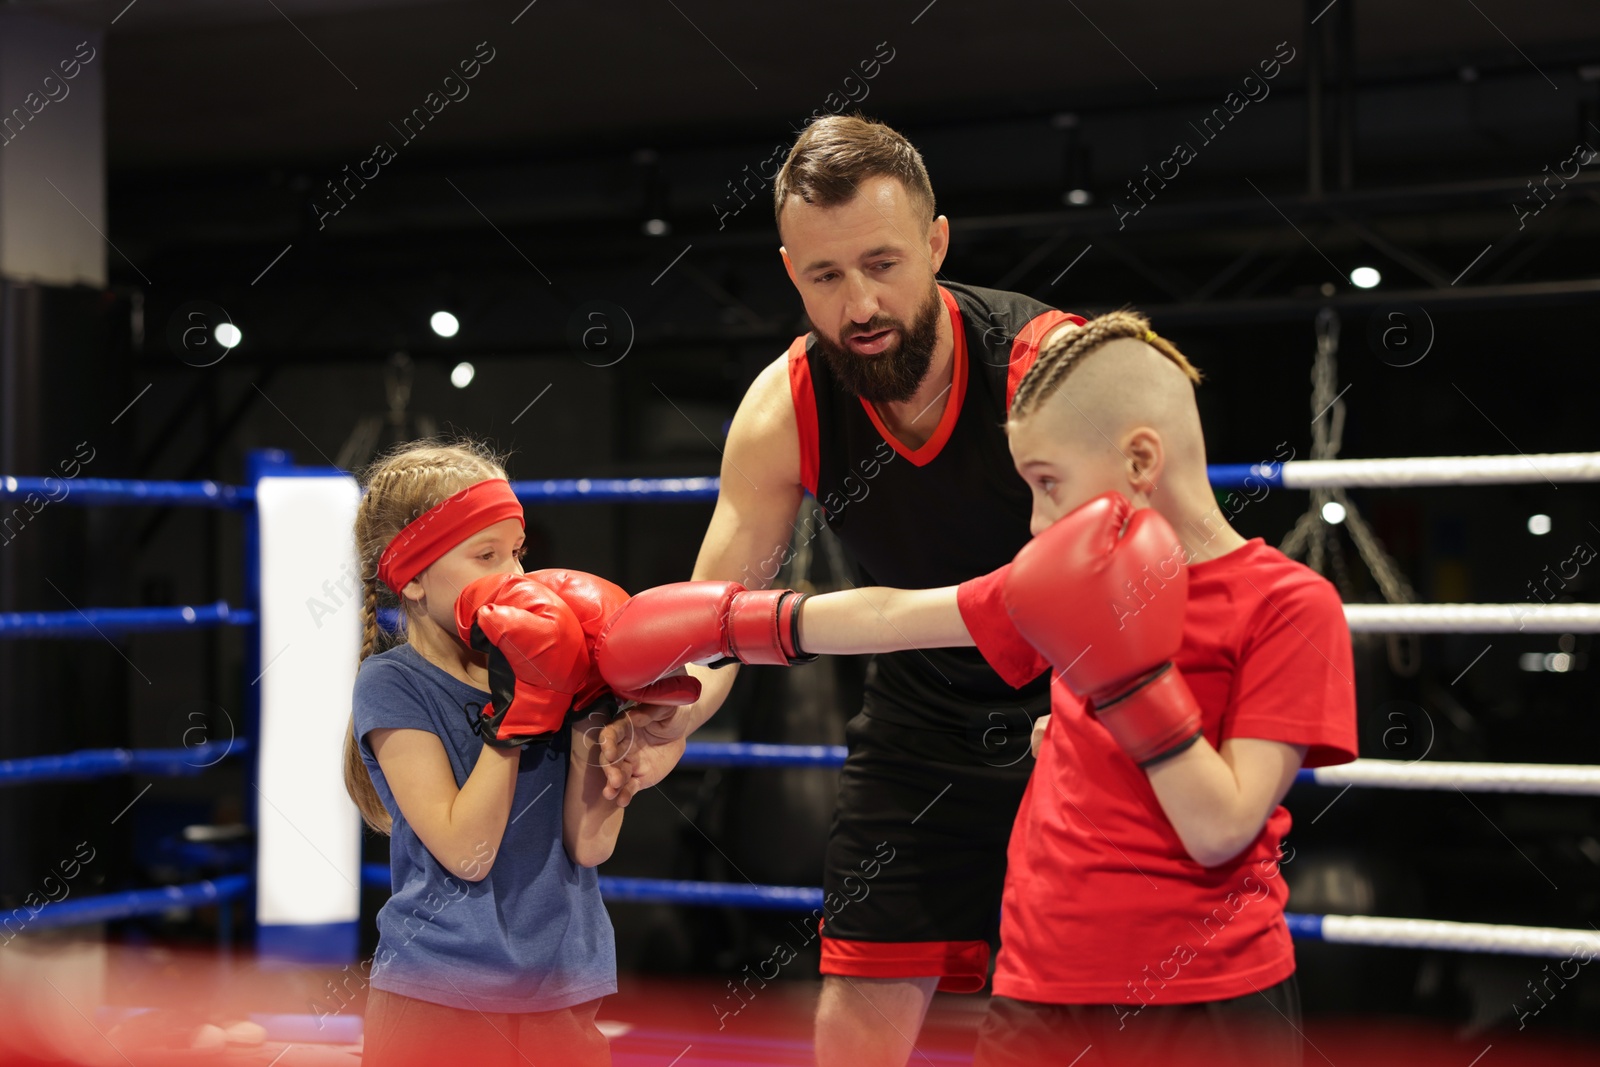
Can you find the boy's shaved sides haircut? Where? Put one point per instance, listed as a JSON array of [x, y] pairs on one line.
[[836, 153], [1061, 357]]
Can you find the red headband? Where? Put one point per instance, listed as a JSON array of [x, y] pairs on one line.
[[439, 529]]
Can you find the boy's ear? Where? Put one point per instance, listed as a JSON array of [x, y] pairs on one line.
[[1146, 457]]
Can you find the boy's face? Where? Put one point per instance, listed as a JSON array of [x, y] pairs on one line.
[[493, 550], [1064, 473]]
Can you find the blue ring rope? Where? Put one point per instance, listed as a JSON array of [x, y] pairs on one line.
[[98, 622], [666, 890], [101, 491], [126, 905], [91, 492], [103, 762], [1244, 475], [173, 762], [616, 490], [765, 897], [670, 891], [748, 754]]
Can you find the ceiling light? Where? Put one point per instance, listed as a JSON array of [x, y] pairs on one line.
[[445, 324]]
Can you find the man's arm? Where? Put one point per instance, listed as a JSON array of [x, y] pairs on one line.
[[1060, 330], [747, 541], [751, 530]]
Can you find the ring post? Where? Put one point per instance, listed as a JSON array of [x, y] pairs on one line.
[[307, 588]]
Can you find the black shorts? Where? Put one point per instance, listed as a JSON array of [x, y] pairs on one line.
[[916, 857], [1260, 1028]]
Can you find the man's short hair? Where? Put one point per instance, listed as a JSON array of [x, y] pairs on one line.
[[836, 153]]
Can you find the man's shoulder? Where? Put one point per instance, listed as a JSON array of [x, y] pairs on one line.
[[764, 436], [1005, 327], [770, 401], [996, 304]]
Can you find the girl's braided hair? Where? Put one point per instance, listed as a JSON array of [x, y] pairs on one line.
[[401, 486]]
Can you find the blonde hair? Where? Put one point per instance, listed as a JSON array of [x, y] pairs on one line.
[[400, 486], [1059, 358]]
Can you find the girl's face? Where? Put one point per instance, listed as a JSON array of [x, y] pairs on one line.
[[493, 550]]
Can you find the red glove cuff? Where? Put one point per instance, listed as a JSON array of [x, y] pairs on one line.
[[764, 627], [535, 715], [1154, 720]]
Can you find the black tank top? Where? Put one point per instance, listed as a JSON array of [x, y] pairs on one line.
[[937, 515]]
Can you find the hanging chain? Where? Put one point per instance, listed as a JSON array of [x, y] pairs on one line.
[[1314, 536]]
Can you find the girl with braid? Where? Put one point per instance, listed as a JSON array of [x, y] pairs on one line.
[[494, 947], [1194, 673]]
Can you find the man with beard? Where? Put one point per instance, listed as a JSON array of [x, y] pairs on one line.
[[891, 414]]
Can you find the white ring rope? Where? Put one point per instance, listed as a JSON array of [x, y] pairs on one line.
[[1473, 618], [1443, 470], [1564, 778], [1469, 937]]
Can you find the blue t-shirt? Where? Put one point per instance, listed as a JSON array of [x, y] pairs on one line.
[[533, 935]]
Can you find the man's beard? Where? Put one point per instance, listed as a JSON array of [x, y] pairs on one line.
[[892, 376]]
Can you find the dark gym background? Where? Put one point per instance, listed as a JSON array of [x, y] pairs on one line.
[[594, 213]]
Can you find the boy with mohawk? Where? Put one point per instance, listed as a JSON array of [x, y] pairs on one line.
[[1195, 673]]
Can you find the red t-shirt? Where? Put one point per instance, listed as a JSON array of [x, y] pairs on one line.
[[1102, 903]]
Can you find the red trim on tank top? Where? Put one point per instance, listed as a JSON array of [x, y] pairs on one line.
[[1025, 349], [924, 455], [805, 413]]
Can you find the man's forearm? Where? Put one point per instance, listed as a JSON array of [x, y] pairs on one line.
[[715, 685]]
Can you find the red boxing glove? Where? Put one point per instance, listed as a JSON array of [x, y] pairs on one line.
[[538, 657], [662, 629], [1101, 605], [594, 600]]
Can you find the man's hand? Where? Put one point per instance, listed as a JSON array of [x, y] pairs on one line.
[[1036, 740], [640, 747]]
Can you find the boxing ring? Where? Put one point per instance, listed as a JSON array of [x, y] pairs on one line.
[[304, 881]]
